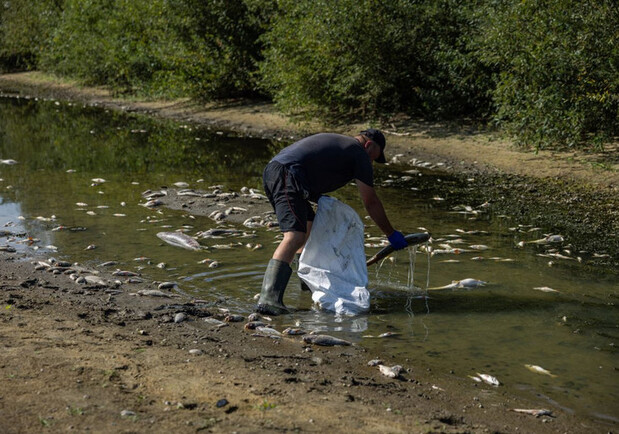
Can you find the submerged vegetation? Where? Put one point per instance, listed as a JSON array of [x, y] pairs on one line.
[[545, 72]]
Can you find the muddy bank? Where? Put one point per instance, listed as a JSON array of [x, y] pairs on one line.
[[99, 357]]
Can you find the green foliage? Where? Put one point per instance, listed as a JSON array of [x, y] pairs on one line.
[[25, 28], [222, 42], [558, 60], [546, 71], [129, 44], [366, 57]]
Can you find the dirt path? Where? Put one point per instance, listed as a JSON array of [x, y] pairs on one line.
[[101, 359]]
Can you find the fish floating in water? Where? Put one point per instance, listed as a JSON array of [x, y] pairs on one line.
[[468, 283], [545, 289], [179, 239], [539, 370]]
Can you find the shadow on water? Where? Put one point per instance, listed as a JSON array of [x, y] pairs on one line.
[[497, 328]]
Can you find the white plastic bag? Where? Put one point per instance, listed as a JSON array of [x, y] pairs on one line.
[[333, 261]]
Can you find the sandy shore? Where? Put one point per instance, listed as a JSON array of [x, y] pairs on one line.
[[88, 357]]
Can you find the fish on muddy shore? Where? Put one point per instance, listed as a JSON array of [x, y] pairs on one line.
[[325, 340], [292, 331], [155, 293], [539, 370], [489, 379], [467, 283], [390, 371], [125, 273], [179, 239], [533, 411]]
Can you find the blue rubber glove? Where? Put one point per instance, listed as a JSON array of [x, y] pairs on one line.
[[397, 240]]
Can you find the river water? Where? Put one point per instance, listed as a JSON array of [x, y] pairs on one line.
[[494, 329]]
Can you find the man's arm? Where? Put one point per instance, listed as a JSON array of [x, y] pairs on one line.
[[374, 207]]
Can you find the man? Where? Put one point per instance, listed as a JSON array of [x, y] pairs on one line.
[[303, 172]]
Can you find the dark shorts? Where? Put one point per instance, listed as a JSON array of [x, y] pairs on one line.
[[288, 197]]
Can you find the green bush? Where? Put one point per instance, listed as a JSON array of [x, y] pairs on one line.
[[25, 28], [222, 39], [362, 57], [129, 44], [559, 69]]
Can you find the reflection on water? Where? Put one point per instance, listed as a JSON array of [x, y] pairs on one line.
[[49, 201]]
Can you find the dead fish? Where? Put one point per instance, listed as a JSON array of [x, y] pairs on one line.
[[167, 285], [294, 331], [94, 280], [108, 264], [468, 283], [152, 203], [390, 371], [533, 411], [234, 318], [479, 247], [545, 289], [81, 204], [547, 240], [155, 293], [181, 184], [215, 322], [135, 280], [489, 379], [382, 335], [179, 240], [252, 325], [124, 273], [253, 317], [267, 331], [539, 370], [90, 247], [98, 180], [324, 340], [8, 162], [375, 362], [180, 317]]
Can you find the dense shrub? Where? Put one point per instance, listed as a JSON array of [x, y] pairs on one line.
[[544, 70], [559, 69], [25, 28], [373, 57], [129, 44], [222, 39]]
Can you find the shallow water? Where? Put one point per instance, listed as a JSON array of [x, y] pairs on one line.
[[494, 329]]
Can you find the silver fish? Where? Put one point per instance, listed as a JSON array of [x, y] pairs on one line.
[[293, 331], [489, 379], [179, 240], [467, 283], [539, 370], [534, 411], [324, 340], [155, 293], [390, 371]]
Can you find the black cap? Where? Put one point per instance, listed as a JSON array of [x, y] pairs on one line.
[[376, 136]]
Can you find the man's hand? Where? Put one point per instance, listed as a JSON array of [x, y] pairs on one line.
[[397, 240]]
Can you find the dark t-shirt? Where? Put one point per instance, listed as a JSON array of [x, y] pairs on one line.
[[325, 162]]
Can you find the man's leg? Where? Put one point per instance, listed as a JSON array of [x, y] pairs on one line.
[[278, 273]]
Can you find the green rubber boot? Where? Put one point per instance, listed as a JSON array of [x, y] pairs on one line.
[[276, 276]]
